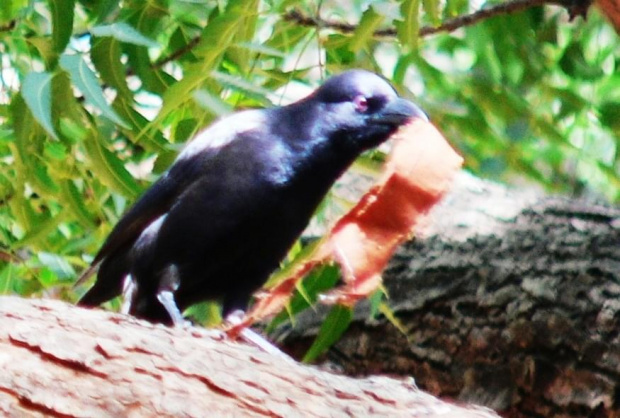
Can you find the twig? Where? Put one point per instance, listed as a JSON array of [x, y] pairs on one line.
[[448, 26], [575, 8], [178, 53]]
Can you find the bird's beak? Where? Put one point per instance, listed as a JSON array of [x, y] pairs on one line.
[[398, 111]]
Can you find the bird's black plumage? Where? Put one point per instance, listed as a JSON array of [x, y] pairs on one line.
[[220, 220]]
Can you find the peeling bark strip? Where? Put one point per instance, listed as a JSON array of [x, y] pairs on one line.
[[62, 361], [417, 174], [512, 301]]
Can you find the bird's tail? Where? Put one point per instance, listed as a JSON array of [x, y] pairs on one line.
[[86, 274], [109, 284]]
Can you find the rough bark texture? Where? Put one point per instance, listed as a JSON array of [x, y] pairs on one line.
[[510, 300], [62, 361]]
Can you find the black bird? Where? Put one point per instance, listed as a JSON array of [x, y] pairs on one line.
[[223, 216]]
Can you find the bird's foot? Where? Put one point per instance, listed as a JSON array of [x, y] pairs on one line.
[[129, 291], [166, 298], [236, 318]]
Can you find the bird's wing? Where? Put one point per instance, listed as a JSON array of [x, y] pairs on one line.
[[155, 202], [187, 169]]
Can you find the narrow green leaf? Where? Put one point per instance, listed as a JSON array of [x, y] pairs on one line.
[[287, 35], [106, 56], [109, 169], [431, 7], [455, 7], [55, 151], [6, 10], [41, 231], [262, 49], [333, 327], [376, 299], [247, 29], [74, 201], [45, 47], [42, 180], [609, 115], [105, 8], [57, 264], [240, 84], [37, 93], [408, 28], [216, 37], [85, 80], [387, 311], [153, 80], [211, 102], [364, 32], [155, 141], [123, 32], [574, 64], [62, 23], [21, 210]]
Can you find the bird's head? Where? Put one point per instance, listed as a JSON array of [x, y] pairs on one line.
[[361, 109]]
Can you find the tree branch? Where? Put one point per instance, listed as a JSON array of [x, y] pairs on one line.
[[574, 7], [176, 54], [449, 26], [114, 365]]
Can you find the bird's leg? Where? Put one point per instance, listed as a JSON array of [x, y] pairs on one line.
[[251, 337], [165, 295], [130, 287]]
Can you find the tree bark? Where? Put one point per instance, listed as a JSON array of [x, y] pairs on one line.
[[509, 300], [59, 360]]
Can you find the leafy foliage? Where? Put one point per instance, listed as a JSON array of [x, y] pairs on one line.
[[97, 97]]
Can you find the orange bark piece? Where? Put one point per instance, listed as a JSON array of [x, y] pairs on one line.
[[418, 173], [611, 9]]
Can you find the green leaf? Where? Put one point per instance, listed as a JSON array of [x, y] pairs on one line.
[[6, 10], [155, 141], [37, 93], [287, 35], [106, 56], [318, 281], [387, 311], [247, 29], [123, 32], [62, 23], [212, 102], [217, 36], [109, 169], [240, 84], [153, 80], [431, 7], [104, 9], [455, 7], [57, 264], [609, 115], [45, 47], [574, 64], [41, 231], [75, 202], [55, 150], [85, 80], [333, 327], [366, 28], [262, 49], [408, 28]]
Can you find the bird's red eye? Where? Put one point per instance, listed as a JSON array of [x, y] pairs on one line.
[[361, 103]]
